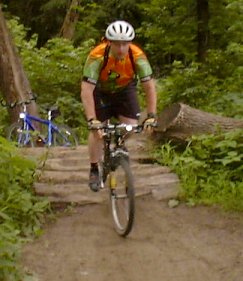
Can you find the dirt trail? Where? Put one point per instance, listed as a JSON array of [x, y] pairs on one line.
[[182, 243]]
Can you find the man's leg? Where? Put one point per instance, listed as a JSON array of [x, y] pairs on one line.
[[95, 146]]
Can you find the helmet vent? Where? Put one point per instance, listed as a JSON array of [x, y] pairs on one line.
[[120, 31]]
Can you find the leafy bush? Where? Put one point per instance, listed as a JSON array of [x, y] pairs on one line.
[[73, 115], [54, 72], [210, 168], [201, 87], [4, 119], [190, 85], [21, 212], [55, 77]]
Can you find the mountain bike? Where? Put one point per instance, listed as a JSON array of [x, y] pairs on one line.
[[24, 132], [115, 172]]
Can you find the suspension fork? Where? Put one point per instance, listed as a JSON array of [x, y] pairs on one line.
[[106, 159]]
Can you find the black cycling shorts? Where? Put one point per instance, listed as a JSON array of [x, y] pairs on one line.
[[124, 102]]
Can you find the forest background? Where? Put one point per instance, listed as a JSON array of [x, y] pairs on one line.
[[195, 49]]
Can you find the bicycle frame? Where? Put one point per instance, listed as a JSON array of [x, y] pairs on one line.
[[28, 125], [115, 134], [116, 168], [57, 134]]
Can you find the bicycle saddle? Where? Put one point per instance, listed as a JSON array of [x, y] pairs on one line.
[[54, 111]]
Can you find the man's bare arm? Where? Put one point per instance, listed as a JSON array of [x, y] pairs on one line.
[[151, 95], [87, 98]]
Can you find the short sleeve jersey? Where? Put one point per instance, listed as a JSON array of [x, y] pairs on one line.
[[115, 74]]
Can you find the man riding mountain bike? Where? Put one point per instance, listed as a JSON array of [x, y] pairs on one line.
[[109, 88]]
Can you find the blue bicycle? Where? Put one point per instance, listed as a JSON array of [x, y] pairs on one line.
[[24, 132]]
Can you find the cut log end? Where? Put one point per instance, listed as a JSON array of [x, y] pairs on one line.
[[180, 121], [168, 117]]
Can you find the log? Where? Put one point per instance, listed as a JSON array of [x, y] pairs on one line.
[[180, 121]]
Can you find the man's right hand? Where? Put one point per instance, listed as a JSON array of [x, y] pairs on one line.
[[94, 124]]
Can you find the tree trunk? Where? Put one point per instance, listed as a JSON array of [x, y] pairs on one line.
[[180, 121], [203, 29], [70, 21], [14, 84]]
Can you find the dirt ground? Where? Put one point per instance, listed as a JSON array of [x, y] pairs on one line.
[[182, 243]]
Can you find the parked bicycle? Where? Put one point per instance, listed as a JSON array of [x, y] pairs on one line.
[[24, 132], [115, 172]]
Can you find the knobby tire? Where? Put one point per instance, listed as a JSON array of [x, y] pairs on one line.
[[17, 134], [64, 137], [122, 197]]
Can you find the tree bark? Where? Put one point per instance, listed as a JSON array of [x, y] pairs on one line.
[[70, 21], [14, 84], [203, 29], [180, 121]]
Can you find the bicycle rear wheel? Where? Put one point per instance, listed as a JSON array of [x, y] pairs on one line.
[[122, 197], [64, 136], [17, 133]]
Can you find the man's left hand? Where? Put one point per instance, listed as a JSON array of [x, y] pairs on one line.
[[150, 122]]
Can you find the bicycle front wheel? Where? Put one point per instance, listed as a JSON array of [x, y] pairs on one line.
[[122, 197], [64, 136], [17, 133]]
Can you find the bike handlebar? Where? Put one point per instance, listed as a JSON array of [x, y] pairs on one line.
[[126, 127], [113, 128]]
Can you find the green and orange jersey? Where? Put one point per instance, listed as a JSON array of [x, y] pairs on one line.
[[113, 75]]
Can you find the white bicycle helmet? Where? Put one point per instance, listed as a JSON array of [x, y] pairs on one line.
[[120, 31]]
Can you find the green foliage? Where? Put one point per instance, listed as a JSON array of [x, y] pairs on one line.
[[207, 86], [210, 168], [229, 104], [72, 114], [190, 85], [167, 29], [170, 30], [10, 245], [54, 72], [4, 119], [225, 22], [45, 17], [42, 17], [21, 212]]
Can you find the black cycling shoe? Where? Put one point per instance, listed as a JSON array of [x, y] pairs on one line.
[[94, 180]]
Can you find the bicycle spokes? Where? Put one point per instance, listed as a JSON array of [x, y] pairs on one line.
[[64, 136], [122, 198]]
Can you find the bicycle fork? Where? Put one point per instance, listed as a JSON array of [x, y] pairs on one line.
[[24, 132], [115, 159]]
